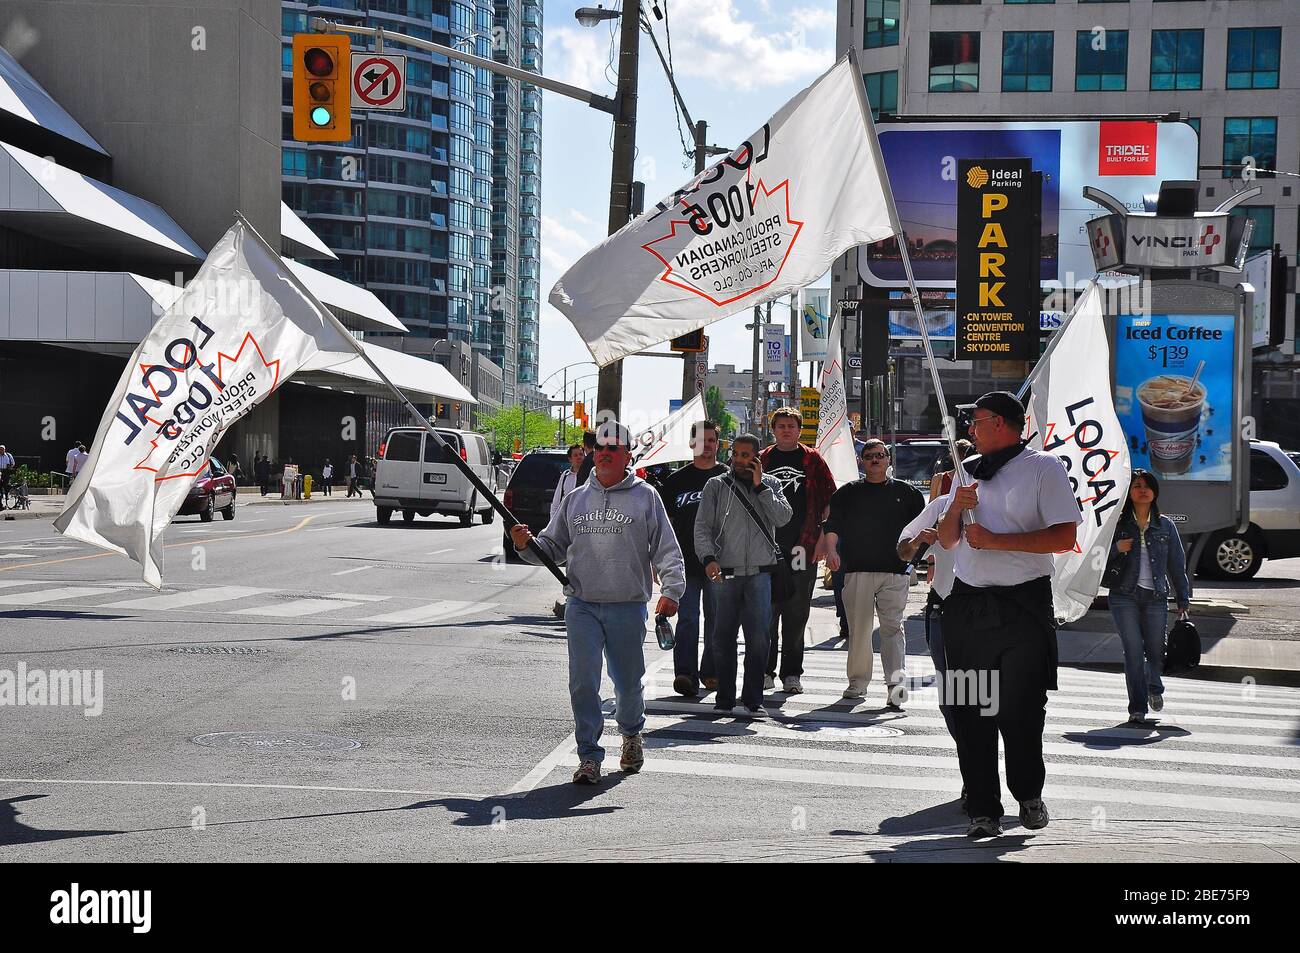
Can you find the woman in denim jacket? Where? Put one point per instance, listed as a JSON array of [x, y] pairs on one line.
[[1139, 602]]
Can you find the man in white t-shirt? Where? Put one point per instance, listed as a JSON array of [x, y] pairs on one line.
[[999, 628], [77, 458]]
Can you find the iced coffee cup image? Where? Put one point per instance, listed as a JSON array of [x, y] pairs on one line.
[[1172, 406]]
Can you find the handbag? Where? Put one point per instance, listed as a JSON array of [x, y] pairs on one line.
[[1116, 566], [1182, 648]]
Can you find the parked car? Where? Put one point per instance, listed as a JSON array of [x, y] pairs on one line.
[[414, 475], [212, 490], [915, 461], [531, 488], [1274, 530]]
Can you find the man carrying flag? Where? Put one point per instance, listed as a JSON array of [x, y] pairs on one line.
[[241, 328]]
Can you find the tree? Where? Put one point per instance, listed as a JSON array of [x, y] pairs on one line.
[[507, 424], [718, 413]]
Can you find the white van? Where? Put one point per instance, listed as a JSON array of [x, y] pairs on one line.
[[413, 476]]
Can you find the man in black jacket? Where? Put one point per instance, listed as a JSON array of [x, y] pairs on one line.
[[682, 491], [861, 534]]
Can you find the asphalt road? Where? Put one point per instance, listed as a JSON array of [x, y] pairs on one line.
[[437, 678]]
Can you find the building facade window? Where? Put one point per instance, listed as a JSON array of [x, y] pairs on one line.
[[882, 93], [1027, 62], [954, 62], [1261, 239], [1253, 58], [1101, 60], [1176, 57], [880, 24], [1251, 138]]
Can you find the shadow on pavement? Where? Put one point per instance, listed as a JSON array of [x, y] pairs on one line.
[[13, 831], [66, 615], [1105, 738], [563, 801]]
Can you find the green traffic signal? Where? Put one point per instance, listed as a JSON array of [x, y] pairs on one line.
[[320, 116]]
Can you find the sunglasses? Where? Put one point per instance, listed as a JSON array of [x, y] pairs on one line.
[[875, 456]]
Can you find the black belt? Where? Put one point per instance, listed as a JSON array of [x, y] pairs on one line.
[[731, 570]]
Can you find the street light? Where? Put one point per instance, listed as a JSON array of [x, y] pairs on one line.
[[591, 16]]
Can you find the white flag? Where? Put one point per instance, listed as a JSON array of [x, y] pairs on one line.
[[240, 329], [834, 435], [760, 223], [669, 441], [1072, 415]]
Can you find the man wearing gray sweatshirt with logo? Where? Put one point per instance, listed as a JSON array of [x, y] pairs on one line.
[[609, 531], [735, 540]]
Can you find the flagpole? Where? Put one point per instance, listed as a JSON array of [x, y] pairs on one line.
[[453, 456], [949, 428], [1051, 345]]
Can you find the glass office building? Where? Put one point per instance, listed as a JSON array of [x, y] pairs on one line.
[[424, 207]]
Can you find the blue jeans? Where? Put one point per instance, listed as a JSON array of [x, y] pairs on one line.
[[686, 651], [934, 638], [742, 602], [1141, 620], [617, 629]]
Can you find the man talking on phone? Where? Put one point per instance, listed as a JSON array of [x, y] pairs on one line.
[[609, 531], [735, 541]]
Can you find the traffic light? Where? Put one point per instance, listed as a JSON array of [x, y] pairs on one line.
[[693, 342], [439, 410], [322, 101]]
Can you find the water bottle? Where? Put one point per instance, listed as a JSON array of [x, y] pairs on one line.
[[664, 632]]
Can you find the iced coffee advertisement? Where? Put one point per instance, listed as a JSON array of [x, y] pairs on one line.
[[1173, 393]]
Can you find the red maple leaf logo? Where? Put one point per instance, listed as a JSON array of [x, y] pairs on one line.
[[274, 366], [667, 276]]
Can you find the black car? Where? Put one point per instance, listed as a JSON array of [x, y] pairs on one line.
[[530, 490]]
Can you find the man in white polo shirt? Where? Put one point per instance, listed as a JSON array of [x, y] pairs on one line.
[[999, 628]]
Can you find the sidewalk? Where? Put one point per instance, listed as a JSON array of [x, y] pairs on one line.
[[48, 507]]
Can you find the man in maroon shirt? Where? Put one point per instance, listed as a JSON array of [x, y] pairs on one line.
[[808, 485]]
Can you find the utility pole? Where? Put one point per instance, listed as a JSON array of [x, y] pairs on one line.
[[609, 392], [758, 332], [688, 359]]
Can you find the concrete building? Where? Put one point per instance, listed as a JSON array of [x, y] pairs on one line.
[[737, 390], [1225, 65], [115, 177]]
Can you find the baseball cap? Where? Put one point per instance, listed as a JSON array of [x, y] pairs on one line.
[[612, 433], [1004, 404]]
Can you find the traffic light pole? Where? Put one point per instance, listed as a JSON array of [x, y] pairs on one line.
[[609, 389]]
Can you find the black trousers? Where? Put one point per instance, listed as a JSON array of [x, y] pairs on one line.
[[791, 618], [1001, 663]]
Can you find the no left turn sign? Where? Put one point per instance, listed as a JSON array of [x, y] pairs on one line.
[[379, 81]]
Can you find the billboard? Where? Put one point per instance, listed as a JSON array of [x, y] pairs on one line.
[[997, 258], [774, 352], [1174, 393], [814, 324], [1127, 159]]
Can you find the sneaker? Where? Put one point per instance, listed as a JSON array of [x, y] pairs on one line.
[[895, 695], [633, 754], [757, 713], [792, 685], [558, 610], [723, 710], [855, 693], [769, 682], [588, 773], [1156, 702], [983, 827], [1135, 719], [684, 685], [710, 684], [1033, 814], [844, 632]]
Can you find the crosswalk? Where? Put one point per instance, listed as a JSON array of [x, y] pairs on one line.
[[1223, 752], [239, 602]]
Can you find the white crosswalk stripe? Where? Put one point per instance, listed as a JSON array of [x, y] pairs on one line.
[[185, 600], [57, 594], [296, 608], [433, 612], [1220, 749]]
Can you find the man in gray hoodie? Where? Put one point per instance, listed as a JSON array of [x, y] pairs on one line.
[[734, 538], [609, 531]]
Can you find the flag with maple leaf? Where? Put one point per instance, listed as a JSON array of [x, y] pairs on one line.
[[241, 328]]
